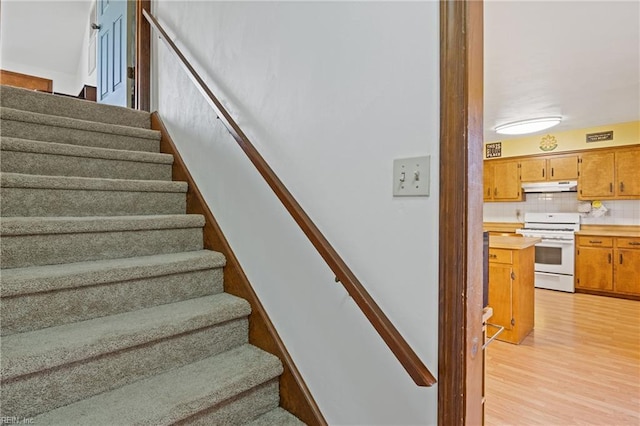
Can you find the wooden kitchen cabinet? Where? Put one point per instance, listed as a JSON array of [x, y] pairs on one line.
[[609, 174], [627, 266], [608, 265], [502, 180], [511, 287], [549, 168], [594, 263]]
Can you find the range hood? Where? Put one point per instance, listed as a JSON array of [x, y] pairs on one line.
[[564, 186]]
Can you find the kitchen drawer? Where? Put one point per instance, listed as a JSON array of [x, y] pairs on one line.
[[595, 241], [628, 242], [500, 256]]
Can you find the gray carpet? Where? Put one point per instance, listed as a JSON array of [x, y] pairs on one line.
[[112, 313]]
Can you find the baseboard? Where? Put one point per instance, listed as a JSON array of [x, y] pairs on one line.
[[294, 394]]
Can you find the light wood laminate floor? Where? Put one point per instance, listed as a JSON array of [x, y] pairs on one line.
[[580, 365]]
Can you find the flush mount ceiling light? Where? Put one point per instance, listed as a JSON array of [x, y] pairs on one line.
[[527, 126]]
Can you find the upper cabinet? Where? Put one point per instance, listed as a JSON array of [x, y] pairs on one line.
[[502, 180], [609, 174], [549, 168]]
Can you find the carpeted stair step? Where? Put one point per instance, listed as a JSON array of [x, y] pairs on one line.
[[33, 241], [50, 128], [38, 195], [56, 159], [277, 416], [45, 296], [49, 368], [45, 103], [231, 388]]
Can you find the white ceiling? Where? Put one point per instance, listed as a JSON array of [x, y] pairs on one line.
[[577, 59], [44, 34]]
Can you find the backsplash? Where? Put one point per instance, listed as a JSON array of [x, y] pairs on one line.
[[620, 212]]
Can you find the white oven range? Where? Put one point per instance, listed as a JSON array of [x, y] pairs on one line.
[[555, 254]]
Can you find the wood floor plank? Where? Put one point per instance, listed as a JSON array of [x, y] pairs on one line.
[[580, 365]]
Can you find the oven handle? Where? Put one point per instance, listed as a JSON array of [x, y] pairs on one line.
[[549, 274], [557, 242]]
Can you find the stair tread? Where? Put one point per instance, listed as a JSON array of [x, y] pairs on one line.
[[29, 100], [54, 148], [74, 123], [33, 351], [174, 395], [69, 225], [35, 279], [277, 416], [28, 181]]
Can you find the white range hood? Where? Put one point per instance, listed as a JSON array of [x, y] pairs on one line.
[[564, 186]]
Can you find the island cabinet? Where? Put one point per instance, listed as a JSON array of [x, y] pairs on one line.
[[609, 174], [511, 287], [549, 168], [608, 264], [502, 180]]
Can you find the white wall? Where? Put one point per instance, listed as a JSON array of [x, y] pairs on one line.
[[620, 212], [330, 93]]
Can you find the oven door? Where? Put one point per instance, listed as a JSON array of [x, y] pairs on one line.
[[555, 256]]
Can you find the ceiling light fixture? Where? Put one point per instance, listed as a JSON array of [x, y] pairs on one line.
[[527, 126]]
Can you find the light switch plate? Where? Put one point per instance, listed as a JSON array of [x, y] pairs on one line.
[[411, 176]]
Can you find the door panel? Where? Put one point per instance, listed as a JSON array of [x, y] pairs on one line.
[[628, 173], [596, 176], [112, 52]]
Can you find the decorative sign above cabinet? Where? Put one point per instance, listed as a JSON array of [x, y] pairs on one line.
[[548, 143], [600, 136], [494, 150]]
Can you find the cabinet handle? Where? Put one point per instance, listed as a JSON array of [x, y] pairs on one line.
[[609, 257], [495, 191], [610, 187], [552, 172], [621, 258], [595, 242], [634, 243], [488, 192], [542, 172], [621, 186]]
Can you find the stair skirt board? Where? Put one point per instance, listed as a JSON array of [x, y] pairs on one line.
[[112, 310]]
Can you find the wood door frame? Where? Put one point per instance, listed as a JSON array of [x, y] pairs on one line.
[[460, 367]]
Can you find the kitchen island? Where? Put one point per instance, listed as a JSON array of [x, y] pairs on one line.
[[511, 286]]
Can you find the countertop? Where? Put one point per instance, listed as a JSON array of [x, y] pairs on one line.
[[502, 226], [512, 243], [629, 231]]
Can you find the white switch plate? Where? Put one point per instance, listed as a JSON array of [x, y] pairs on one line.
[[411, 176]]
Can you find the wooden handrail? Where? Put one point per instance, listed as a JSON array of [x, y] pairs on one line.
[[394, 340]]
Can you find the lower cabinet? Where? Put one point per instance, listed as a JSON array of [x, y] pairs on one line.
[[511, 293], [608, 265]]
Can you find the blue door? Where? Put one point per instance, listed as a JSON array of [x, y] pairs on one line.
[[112, 52]]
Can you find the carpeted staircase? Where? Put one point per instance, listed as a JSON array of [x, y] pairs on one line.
[[112, 313]]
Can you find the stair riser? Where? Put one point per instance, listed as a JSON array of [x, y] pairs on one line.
[[32, 202], [238, 410], [48, 309], [61, 165], [40, 132], [19, 251], [67, 107], [44, 391]]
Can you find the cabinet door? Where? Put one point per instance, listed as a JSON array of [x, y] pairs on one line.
[[500, 296], [506, 180], [628, 173], [596, 178], [487, 176], [563, 168], [534, 170], [627, 271], [594, 268]]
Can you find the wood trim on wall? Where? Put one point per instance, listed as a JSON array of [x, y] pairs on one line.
[[294, 394], [460, 367], [31, 82], [143, 58]]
